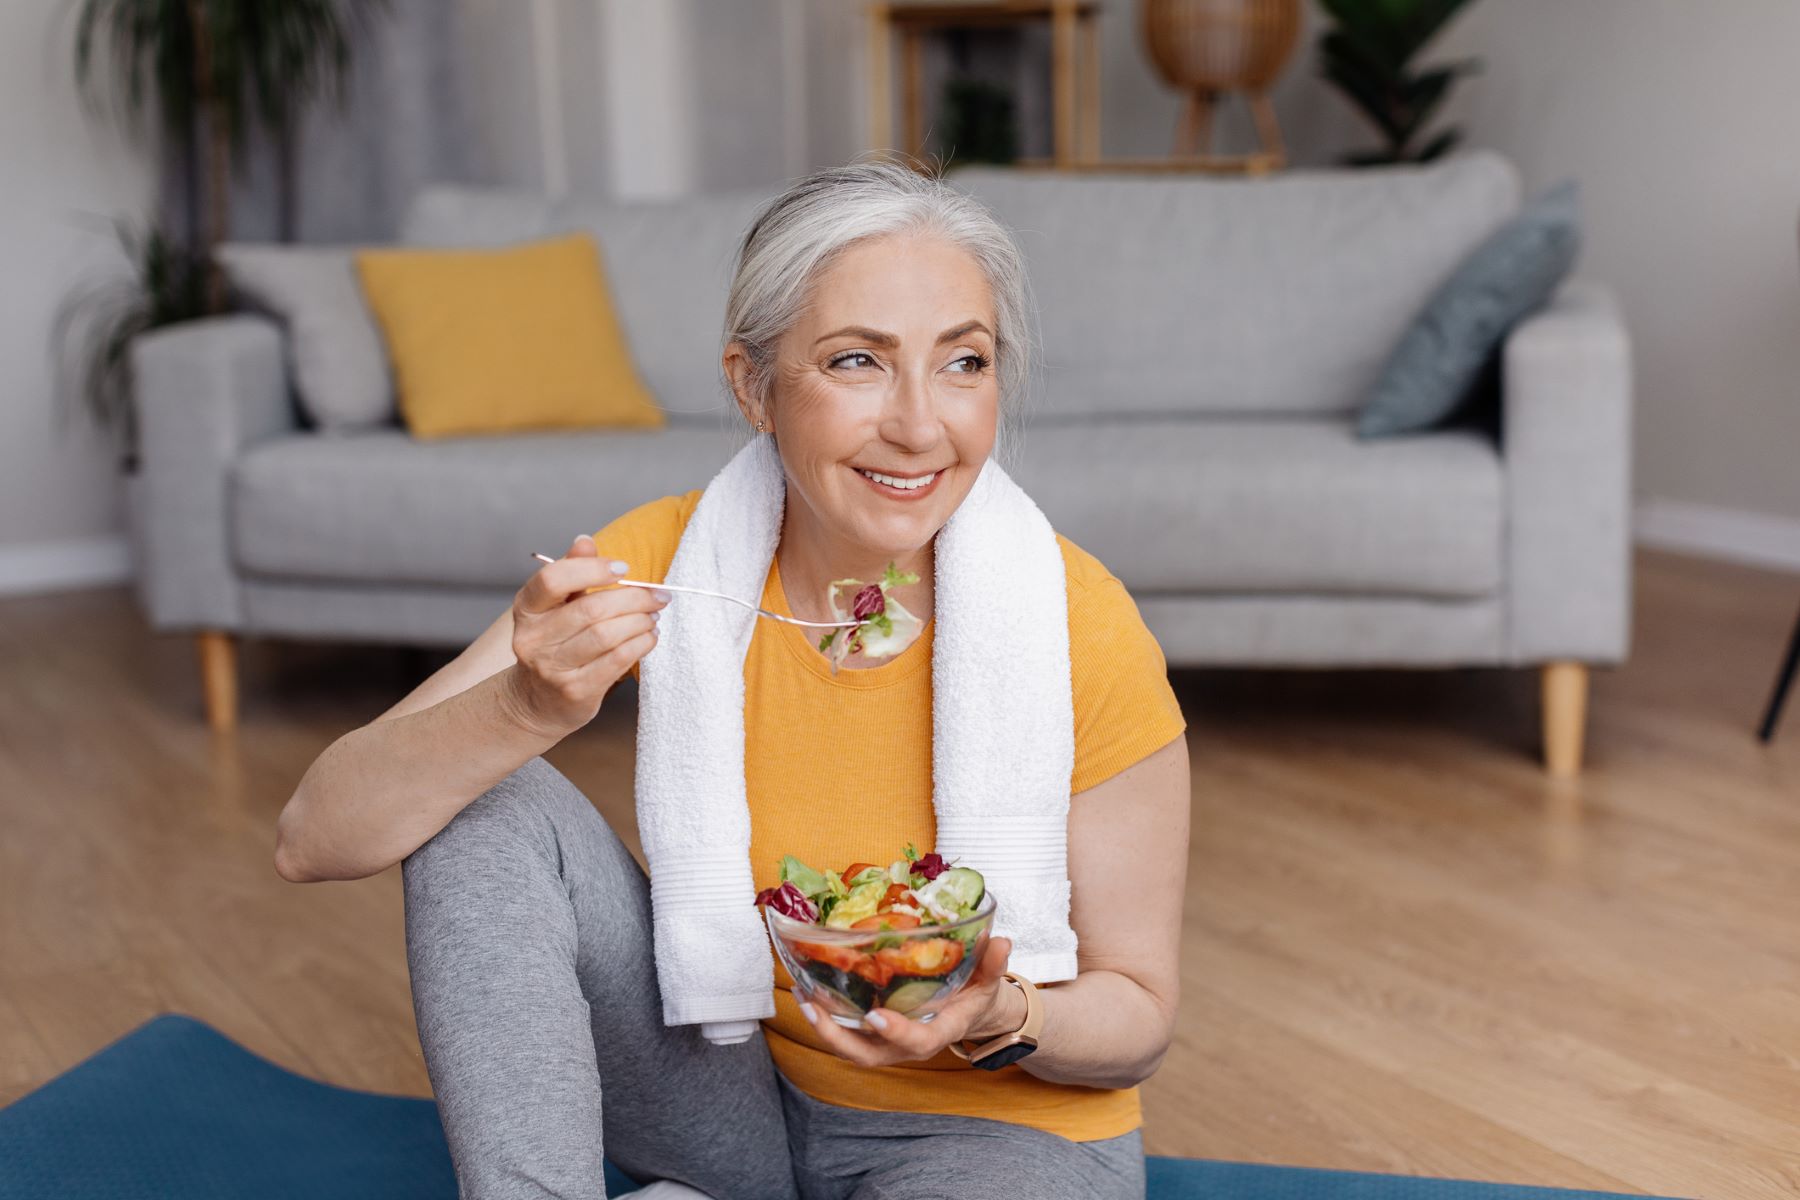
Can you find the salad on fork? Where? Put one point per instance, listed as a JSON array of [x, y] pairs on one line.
[[884, 628]]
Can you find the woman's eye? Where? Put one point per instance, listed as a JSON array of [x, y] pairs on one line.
[[855, 358], [971, 364]]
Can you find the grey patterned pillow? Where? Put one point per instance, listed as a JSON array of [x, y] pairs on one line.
[[1459, 332], [339, 364]]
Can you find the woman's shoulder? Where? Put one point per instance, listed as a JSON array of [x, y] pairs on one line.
[[1084, 572], [646, 537], [1096, 597], [1101, 610], [1124, 706]]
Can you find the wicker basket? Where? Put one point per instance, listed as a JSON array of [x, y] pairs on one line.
[[1221, 45]]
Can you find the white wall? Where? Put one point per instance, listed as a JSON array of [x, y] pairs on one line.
[[65, 177], [1680, 121], [1679, 118]]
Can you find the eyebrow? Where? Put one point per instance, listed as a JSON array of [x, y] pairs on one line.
[[887, 339]]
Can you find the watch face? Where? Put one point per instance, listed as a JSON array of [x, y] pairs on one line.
[[1006, 1057]]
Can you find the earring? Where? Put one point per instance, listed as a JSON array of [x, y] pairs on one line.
[[759, 427]]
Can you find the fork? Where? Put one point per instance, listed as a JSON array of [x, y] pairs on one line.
[[694, 591]]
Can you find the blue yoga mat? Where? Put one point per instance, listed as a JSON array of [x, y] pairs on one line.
[[175, 1108]]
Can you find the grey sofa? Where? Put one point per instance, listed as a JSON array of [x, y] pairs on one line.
[[1206, 344]]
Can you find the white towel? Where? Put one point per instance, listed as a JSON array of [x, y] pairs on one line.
[[1003, 738]]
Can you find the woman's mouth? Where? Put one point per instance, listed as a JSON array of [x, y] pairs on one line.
[[901, 487]]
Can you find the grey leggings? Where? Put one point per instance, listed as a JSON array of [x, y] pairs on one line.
[[528, 937]]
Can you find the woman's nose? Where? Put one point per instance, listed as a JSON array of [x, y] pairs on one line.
[[911, 419]]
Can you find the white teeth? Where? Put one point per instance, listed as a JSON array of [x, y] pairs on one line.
[[905, 485]]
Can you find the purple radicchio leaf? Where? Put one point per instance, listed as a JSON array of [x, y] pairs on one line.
[[869, 602], [789, 901], [931, 866]]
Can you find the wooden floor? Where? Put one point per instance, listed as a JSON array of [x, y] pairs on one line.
[[1406, 949]]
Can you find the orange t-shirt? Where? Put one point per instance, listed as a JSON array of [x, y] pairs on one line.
[[831, 799]]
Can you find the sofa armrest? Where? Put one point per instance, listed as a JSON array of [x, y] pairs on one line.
[[205, 390], [1566, 440]]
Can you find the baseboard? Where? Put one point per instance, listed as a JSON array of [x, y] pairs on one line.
[[1733, 534], [64, 566]]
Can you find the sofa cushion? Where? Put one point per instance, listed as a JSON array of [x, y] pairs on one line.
[[1170, 506], [488, 340], [381, 507], [1273, 505], [1458, 335], [668, 267], [1163, 294], [335, 354]]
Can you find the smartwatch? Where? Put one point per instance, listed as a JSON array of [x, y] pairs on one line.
[[1009, 1048]]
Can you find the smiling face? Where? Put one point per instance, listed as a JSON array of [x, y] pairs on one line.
[[885, 399]]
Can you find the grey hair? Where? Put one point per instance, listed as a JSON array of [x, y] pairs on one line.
[[800, 232]]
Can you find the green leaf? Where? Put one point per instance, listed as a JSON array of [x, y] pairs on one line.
[[1372, 158], [1438, 146], [813, 884], [1366, 56], [95, 325], [243, 63]]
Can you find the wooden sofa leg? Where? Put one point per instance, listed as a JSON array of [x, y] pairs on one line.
[[1565, 716], [218, 678]]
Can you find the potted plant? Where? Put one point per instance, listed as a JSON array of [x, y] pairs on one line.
[[1368, 56], [211, 74]]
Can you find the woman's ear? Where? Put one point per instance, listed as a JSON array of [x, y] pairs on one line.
[[741, 374]]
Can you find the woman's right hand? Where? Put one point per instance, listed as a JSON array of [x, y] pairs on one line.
[[572, 644]]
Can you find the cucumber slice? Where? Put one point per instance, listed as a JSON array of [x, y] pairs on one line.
[[965, 885], [913, 994]]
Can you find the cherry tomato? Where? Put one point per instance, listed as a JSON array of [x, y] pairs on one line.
[[888, 921], [848, 959], [897, 893], [851, 871], [873, 969], [829, 953], [923, 956]]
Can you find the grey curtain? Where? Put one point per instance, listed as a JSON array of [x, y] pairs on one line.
[[403, 123]]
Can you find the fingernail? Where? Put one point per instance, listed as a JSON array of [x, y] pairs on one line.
[[875, 1019], [619, 568], [655, 617], [806, 1010], [662, 597]]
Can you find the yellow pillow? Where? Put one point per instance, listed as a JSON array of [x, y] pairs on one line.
[[495, 341]]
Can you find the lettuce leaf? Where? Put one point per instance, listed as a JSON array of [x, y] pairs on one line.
[[860, 903], [812, 884]]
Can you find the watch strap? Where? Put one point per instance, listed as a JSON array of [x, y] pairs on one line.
[[1025, 1037]]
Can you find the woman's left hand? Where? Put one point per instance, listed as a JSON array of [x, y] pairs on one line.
[[893, 1038]]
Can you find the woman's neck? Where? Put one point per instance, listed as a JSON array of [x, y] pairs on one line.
[[810, 559]]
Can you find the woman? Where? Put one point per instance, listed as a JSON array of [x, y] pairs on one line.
[[877, 332]]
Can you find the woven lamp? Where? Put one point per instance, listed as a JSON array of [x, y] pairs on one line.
[[1207, 48]]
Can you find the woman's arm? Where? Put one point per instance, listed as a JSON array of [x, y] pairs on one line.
[[1128, 851], [535, 675], [1110, 1026]]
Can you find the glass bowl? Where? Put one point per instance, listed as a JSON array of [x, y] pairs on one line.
[[847, 972]]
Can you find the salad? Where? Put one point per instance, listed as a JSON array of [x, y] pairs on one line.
[[911, 898], [886, 627]]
